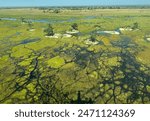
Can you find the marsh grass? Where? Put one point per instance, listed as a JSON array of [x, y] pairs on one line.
[[54, 70]]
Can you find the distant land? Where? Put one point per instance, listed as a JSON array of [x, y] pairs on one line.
[[84, 7]]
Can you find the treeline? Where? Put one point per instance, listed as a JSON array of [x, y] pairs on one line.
[[95, 7], [83, 7], [59, 8]]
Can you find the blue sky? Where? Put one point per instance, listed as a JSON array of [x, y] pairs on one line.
[[6, 3]]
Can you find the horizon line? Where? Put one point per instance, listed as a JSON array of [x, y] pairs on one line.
[[76, 6]]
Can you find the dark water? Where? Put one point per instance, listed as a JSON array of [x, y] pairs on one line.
[[26, 41], [90, 17], [42, 20], [50, 20]]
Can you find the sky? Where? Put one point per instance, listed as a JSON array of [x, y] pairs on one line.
[[9, 3]]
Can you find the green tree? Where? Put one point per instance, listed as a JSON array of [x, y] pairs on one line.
[[92, 38], [135, 25], [49, 30], [56, 11], [74, 26], [30, 25], [23, 20]]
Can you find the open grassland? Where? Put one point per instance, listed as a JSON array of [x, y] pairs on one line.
[[35, 68]]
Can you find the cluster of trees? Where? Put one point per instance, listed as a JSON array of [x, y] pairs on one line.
[[52, 9], [30, 24], [50, 30]]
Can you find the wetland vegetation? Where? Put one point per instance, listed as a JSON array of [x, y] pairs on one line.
[[70, 55]]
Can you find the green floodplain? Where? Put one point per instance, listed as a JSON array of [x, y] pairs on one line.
[[68, 56]]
